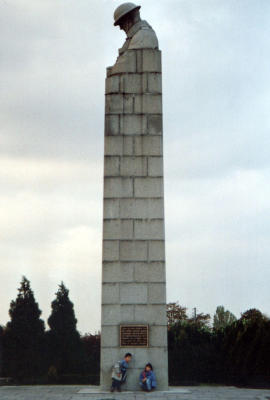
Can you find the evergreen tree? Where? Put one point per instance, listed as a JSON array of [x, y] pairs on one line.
[[63, 338], [24, 335], [223, 318]]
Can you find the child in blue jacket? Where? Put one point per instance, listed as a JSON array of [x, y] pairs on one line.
[[148, 378], [119, 372]]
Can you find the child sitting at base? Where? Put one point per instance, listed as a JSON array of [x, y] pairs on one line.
[[148, 378]]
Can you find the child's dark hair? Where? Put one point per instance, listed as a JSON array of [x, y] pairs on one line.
[[128, 355], [149, 365]]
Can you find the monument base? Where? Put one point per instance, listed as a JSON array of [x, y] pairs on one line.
[[96, 393]]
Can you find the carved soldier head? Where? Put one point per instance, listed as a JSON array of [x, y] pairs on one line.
[[127, 15]]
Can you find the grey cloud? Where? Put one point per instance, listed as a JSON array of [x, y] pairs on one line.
[[221, 95], [55, 94]]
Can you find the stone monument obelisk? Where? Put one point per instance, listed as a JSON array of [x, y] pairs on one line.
[[133, 274]]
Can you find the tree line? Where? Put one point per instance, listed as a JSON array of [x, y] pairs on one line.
[[30, 354], [229, 351]]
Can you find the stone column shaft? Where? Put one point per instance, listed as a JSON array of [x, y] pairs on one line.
[[133, 277]]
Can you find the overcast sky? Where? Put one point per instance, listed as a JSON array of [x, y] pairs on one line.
[[216, 104]]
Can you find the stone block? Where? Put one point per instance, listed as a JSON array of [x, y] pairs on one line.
[[113, 145], [133, 124], [108, 358], [139, 61], [128, 146], [131, 83], [148, 104], [118, 229], [154, 83], [110, 250], [112, 84], [115, 314], [133, 166], [141, 357], [110, 314], [148, 187], [141, 208], [158, 355], [157, 293], [155, 166], [110, 293], [141, 272], [153, 354], [110, 336], [133, 293], [133, 250], [112, 126], [127, 313], [158, 336], [162, 376], [132, 382], [114, 104], [117, 272], [118, 187], [157, 250], [125, 63], [149, 272], [111, 209], [149, 229], [151, 60], [152, 314], [148, 145], [111, 166], [155, 124], [144, 82], [128, 103]]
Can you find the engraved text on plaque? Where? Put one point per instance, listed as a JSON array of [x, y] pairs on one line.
[[133, 335]]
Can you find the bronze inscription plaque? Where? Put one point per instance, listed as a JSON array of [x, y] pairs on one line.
[[133, 335]]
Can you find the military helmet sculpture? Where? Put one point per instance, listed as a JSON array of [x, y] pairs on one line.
[[123, 10]]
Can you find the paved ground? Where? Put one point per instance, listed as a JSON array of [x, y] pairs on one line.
[[92, 393]]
